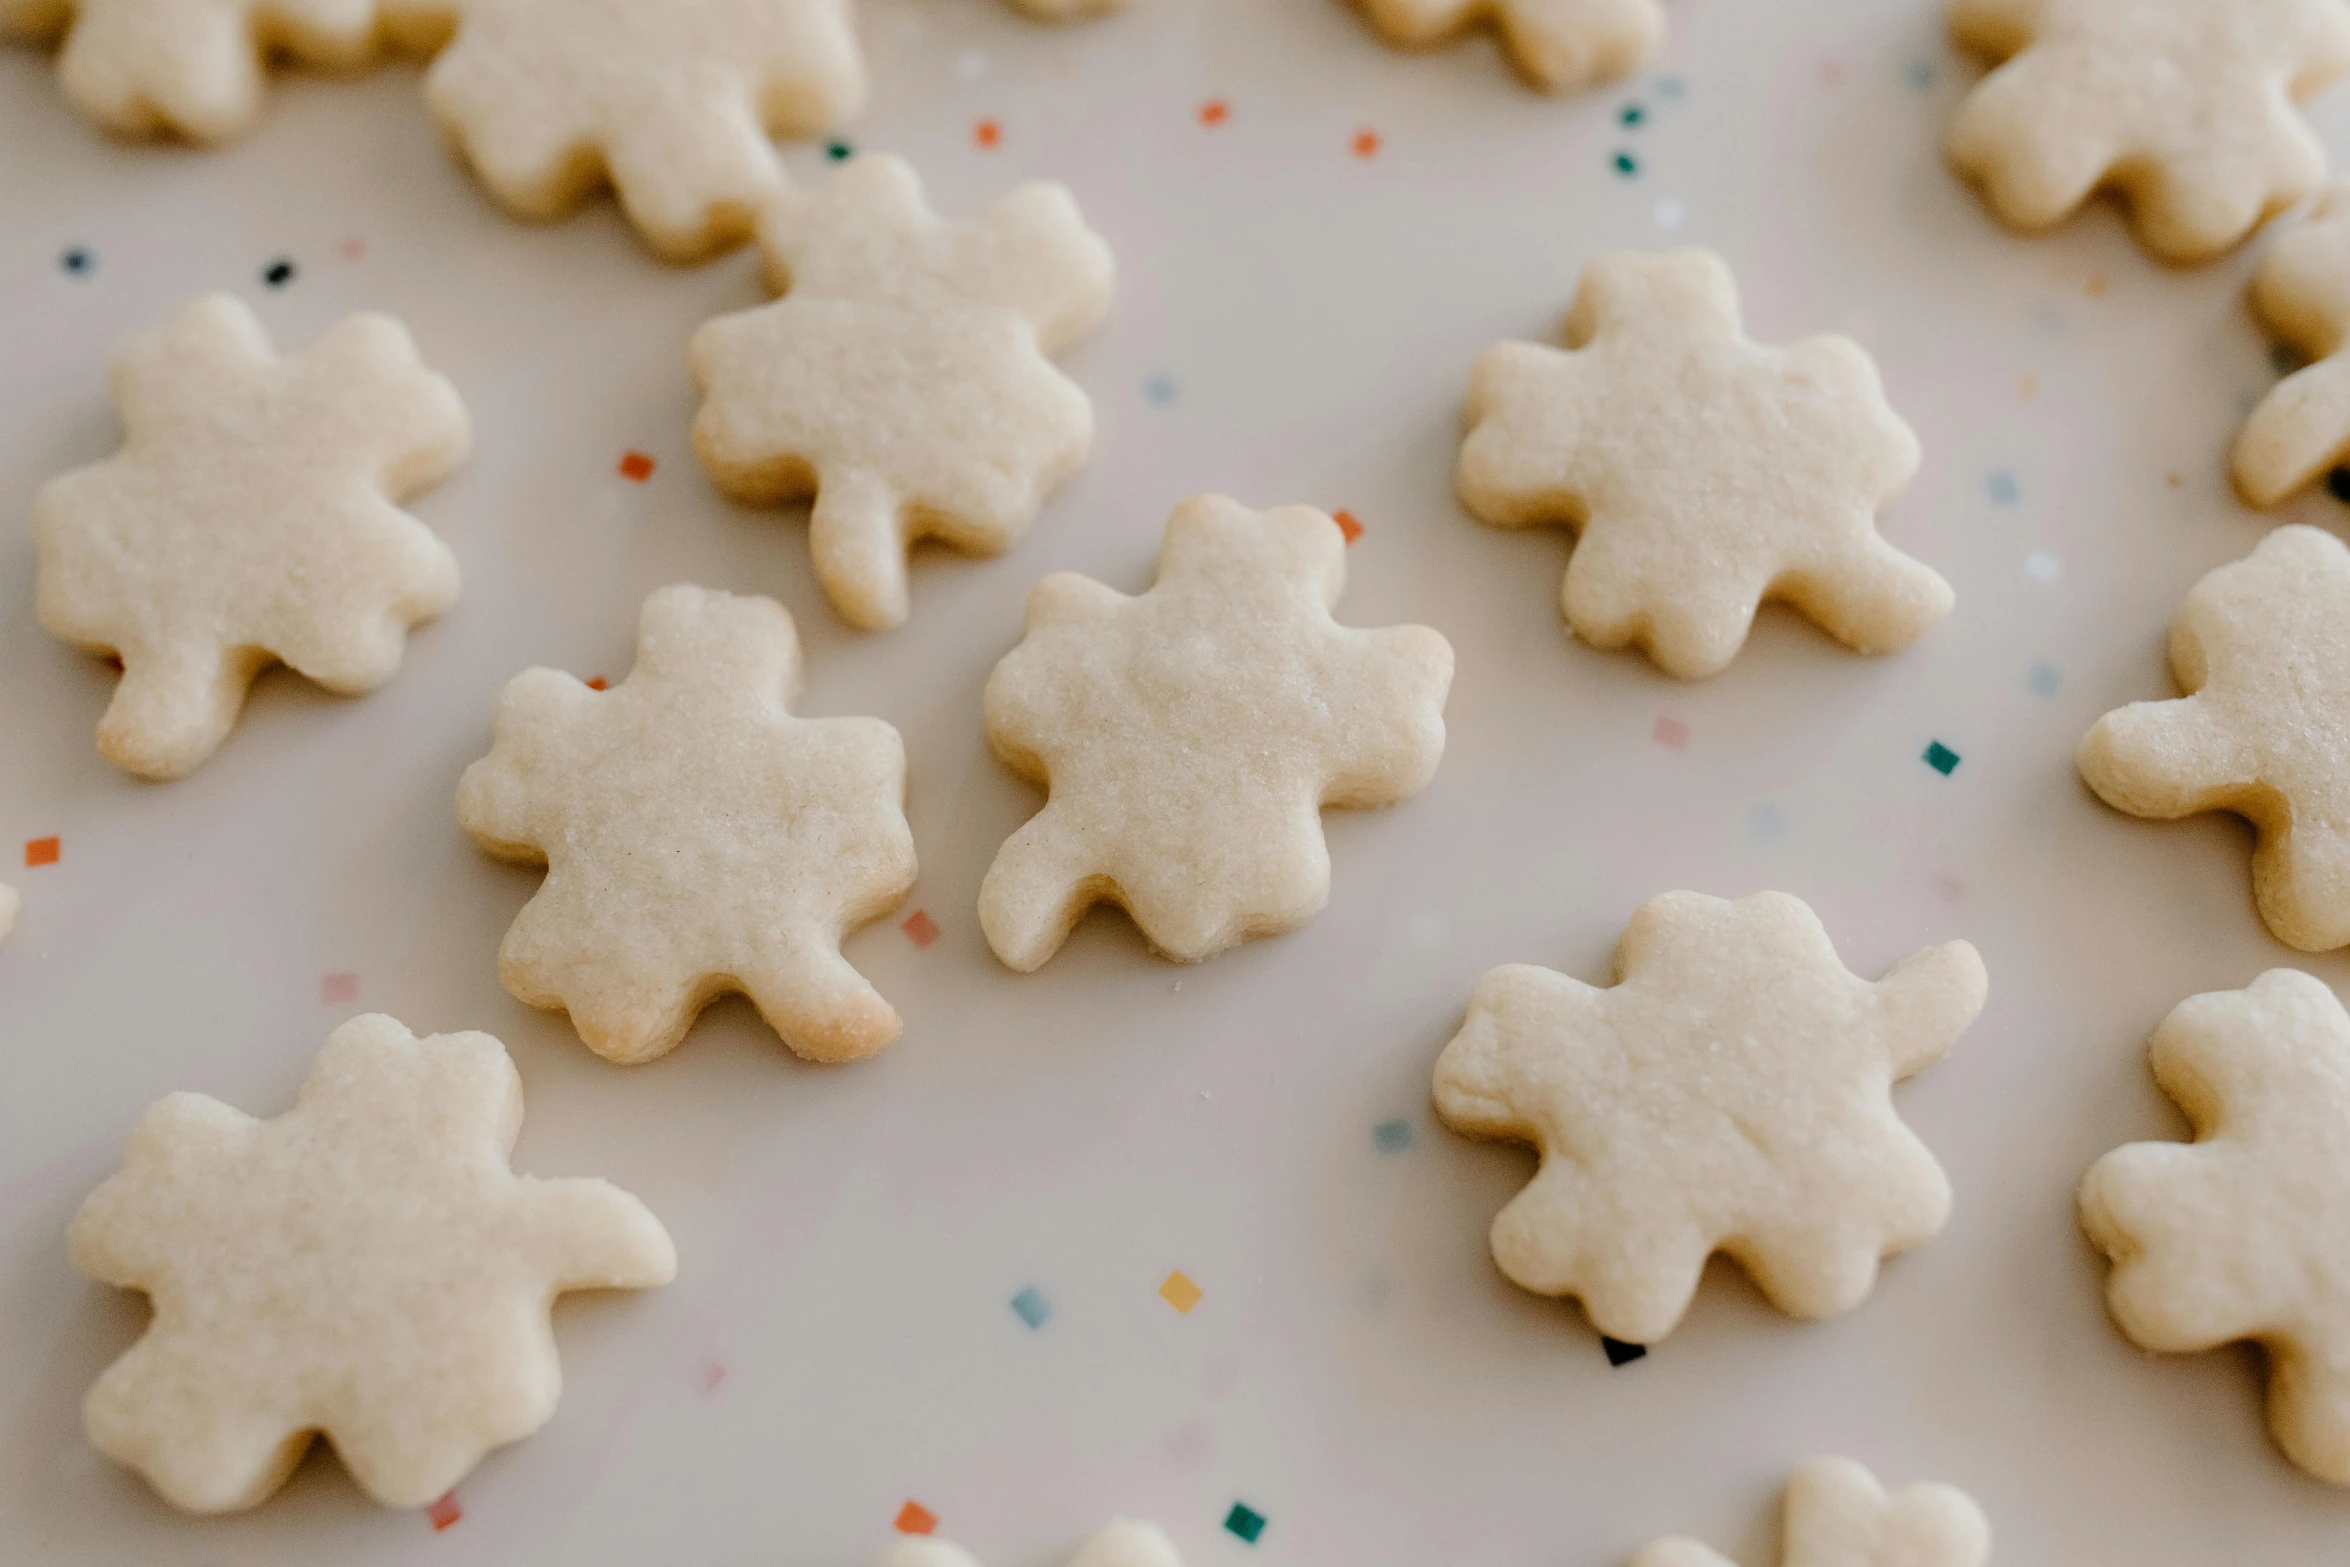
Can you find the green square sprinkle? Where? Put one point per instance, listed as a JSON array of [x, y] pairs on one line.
[[838, 151], [1392, 1136], [1941, 758], [1245, 1521], [1032, 1307]]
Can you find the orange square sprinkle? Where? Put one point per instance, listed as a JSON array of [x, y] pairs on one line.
[[2028, 387], [445, 1511], [987, 133], [42, 851], [920, 928], [1178, 1291], [1347, 524], [1366, 144], [1214, 112], [914, 1518], [636, 467], [598, 683]]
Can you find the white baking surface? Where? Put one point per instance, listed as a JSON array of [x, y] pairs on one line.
[[851, 1237]]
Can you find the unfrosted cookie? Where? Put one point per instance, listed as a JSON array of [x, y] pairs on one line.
[[672, 104], [1557, 45], [2239, 1234], [698, 838], [2302, 295], [250, 517], [1123, 1543], [2262, 650], [903, 379], [1701, 471], [2183, 107], [1732, 1092], [1190, 737], [364, 1267], [191, 68], [1837, 1515]]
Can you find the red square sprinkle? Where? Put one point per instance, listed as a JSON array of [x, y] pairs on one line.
[[920, 928], [42, 851], [1366, 144], [636, 467], [336, 989], [445, 1511], [914, 1518], [1214, 112], [1670, 733], [987, 133], [598, 683], [1347, 524]]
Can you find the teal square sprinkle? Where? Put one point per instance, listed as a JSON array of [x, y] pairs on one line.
[[1625, 164], [839, 151], [1941, 758], [1245, 1521], [1392, 1136], [1031, 1307]]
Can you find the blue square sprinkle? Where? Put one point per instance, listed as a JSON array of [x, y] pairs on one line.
[[2000, 485], [1941, 758], [1392, 1136], [1766, 823], [1032, 1307], [2044, 680], [1159, 387], [1245, 1521]]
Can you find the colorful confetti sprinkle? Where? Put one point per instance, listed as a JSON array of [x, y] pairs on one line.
[[336, 990], [1630, 116], [839, 151], [1941, 758], [1245, 1521], [1620, 1353], [1949, 887], [920, 928], [2044, 681], [444, 1512], [1625, 164], [598, 683], [1348, 524], [2041, 566], [1392, 1136], [1214, 112], [1366, 144], [713, 1373], [1159, 387], [78, 261], [2027, 386], [1832, 72], [352, 249], [914, 1518], [43, 851], [987, 133], [278, 273], [1031, 1307], [1670, 733], [1920, 75], [636, 467], [1178, 1291], [2000, 485], [1672, 87]]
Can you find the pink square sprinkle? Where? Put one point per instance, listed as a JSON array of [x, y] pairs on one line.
[[1670, 733], [920, 928], [336, 990], [712, 1374]]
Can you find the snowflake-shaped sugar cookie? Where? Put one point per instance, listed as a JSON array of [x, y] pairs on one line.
[[1731, 1092], [698, 838], [903, 378], [365, 1266], [249, 517], [2262, 650], [1557, 45], [1837, 1515], [1121, 1544], [2238, 1235], [1702, 472], [672, 104], [2301, 430], [191, 68], [2183, 107], [1190, 737]]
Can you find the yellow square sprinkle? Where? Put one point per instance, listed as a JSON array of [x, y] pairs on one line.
[[1180, 1292]]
